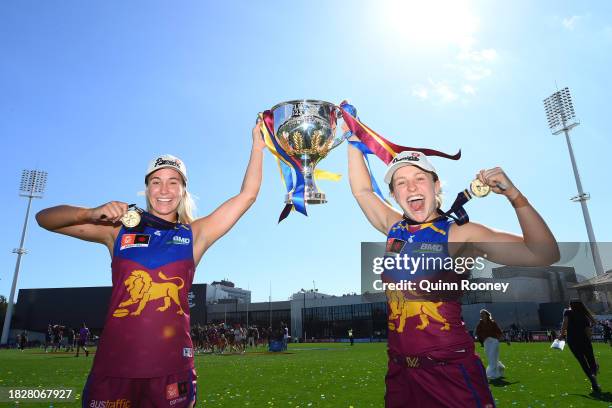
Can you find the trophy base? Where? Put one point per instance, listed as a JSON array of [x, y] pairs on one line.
[[309, 198]]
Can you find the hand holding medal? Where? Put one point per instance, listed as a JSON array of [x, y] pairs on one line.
[[479, 189], [491, 180], [486, 181], [132, 217], [116, 211]]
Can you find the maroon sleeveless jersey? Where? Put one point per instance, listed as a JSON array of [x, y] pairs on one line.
[[146, 333]]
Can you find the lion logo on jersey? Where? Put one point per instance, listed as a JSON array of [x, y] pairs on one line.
[[142, 290], [403, 308]]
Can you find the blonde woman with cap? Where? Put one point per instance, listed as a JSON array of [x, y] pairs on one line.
[[432, 362], [489, 334], [145, 355]]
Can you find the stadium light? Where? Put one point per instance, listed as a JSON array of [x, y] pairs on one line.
[[562, 118], [32, 185]]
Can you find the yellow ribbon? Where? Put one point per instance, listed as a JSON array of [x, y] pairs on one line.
[[326, 175]]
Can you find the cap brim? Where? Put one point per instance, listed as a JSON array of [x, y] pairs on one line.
[[167, 167], [391, 171]]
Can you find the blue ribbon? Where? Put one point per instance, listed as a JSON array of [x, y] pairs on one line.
[[366, 151], [287, 176], [297, 197]]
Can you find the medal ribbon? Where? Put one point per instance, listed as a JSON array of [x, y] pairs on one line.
[[457, 212]]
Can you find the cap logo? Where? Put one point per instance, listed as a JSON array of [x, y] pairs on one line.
[[413, 157], [163, 162]]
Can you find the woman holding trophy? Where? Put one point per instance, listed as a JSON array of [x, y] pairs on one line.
[[432, 362], [145, 354]]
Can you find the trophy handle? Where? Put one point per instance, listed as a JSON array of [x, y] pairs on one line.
[[338, 140]]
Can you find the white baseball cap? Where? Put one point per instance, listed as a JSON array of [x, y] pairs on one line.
[[167, 161], [408, 158]]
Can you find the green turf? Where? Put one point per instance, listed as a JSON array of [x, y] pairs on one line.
[[328, 375]]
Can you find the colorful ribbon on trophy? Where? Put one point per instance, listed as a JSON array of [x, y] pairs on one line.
[[373, 143], [365, 152], [320, 174], [363, 149], [370, 143], [286, 162], [381, 147], [284, 168]]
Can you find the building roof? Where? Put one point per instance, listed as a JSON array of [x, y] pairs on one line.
[[595, 282]]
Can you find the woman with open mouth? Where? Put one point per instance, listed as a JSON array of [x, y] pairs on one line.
[[432, 362]]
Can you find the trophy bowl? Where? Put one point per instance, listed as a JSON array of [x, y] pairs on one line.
[[307, 130]]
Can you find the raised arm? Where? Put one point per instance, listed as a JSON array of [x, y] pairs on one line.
[[537, 245], [380, 214], [100, 224], [209, 229]]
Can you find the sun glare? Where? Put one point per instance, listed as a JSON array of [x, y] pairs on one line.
[[432, 23]]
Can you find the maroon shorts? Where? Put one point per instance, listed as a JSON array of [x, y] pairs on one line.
[[172, 391], [459, 383]]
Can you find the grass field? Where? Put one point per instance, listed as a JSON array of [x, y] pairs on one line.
[[327, 375]]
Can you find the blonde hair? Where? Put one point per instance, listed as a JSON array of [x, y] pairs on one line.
[[185, 210]]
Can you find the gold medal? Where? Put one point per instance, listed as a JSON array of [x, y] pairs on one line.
[[131, 218], [479, 189]]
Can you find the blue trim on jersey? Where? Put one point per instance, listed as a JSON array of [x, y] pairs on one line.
[[192, 390], [466, 377], [85, 396], [429, 245], [151, 245], [485, 380], [428, 234]]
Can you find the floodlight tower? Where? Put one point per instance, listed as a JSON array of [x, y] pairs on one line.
[[32, 185], [562, 118]]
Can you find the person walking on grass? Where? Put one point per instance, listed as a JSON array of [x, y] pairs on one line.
[[576, 330]]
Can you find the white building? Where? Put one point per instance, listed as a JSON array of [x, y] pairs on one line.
[[224, 291]]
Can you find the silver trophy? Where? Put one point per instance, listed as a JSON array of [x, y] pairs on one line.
[[307, 130]]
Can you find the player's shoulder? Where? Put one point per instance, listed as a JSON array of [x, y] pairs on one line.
[[468, 232]]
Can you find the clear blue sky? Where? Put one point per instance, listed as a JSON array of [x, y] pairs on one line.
[[90, 91]]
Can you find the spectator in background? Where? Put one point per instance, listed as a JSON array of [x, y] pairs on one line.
[[256, 336], [251, 336], [489, 334], [607, 332], [576, 329], [23, 340], [70, 336], [57, 337], [48, 337], [82, 342], [285, 331]]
